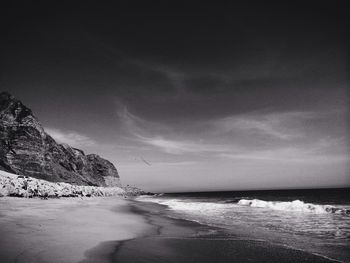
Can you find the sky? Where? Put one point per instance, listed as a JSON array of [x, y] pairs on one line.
[[189, 97]]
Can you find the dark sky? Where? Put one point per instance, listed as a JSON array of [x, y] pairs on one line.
[[189, 97]]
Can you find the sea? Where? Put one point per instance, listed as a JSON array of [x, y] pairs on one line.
[[315, 221]]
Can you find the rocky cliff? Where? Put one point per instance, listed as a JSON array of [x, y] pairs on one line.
[[26, 149]]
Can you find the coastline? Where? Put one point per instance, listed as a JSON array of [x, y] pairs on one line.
[[112, 229], [179, 240]]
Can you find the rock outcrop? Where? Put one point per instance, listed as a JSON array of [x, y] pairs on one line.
[[26, 149]]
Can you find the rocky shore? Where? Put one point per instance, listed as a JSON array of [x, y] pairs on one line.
[[24, 186]]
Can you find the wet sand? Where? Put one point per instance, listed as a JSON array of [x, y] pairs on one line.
[[173, 240], [188, 250]]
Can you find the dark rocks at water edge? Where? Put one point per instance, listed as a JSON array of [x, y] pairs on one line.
[[26, 149]]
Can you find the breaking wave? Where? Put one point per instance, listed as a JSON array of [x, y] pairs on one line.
[[210, 207], [311, 226], [296, 205]]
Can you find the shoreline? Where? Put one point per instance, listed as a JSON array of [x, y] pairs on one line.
[[112, 229], [180, 240]]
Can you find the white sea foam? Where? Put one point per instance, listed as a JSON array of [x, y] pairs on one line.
[[296, 205], [182, 205], [292, 224], [212, 207]]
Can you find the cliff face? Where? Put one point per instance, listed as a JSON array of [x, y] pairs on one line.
[[25, 148]]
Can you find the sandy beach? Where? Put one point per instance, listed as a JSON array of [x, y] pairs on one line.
[[116, 230], [62, 230]]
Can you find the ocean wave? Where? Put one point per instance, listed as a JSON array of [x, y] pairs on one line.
[[296, 205], [230, 205], [185, 205]]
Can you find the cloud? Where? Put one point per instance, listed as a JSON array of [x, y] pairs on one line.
[[136, 125], [150, 133], [166, 145], [172, 74], [71, 138], [320, 151], [276, 125], [256, 136], [180, 163], [180, 147], [283, 155]]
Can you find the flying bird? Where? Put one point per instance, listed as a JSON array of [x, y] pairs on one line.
[[145, 161]]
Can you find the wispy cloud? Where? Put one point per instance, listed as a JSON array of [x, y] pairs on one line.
[[181, 163], [286, 155], [150, 133], [167, 146], [136, 125], [276, 125], [320, 151], [180, 147], [277, 136], [71, 138]]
